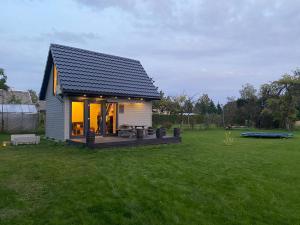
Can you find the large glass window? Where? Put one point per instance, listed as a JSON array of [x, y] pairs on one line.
[[77, 118], [111, 118], [95, 117]]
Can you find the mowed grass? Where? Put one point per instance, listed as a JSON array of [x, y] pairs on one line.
[[201, 181]]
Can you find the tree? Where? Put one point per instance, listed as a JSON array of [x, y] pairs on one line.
[[203, 104], [3, 79], [212, 108], [219, 109], [248, 109], [179, 105], [248, 92], [298, 110], [14, 100], [283, 104], [276, 105], [33, 95], [280, 100], [230, 111], [267, 120], [157, 103], [165, 104], [188, 107]]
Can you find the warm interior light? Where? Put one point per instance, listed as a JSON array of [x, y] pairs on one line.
[[77, 118], [142, 99], [84, 95], [111, 117], [95, 115], [101, 96], [54, 79], [3, 144], [129, 98]]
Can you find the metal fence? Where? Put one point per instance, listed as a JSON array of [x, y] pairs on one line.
[[18, 118]]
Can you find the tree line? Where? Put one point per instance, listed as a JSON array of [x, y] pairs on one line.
[[187, 109], [186, 104], [274, 105]]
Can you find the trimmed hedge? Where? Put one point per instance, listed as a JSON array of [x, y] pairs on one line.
[[158, 119]]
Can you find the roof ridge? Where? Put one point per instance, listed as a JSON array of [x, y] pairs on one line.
[[94, 52]]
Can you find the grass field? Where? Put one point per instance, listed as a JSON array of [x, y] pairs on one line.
[[201, 181]]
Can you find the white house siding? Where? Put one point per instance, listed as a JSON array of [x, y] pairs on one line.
[[137, 113], [54, 113]]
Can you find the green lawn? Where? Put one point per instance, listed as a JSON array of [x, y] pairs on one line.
[[201, 181]]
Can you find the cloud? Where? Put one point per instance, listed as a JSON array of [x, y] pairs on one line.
[[248, 22], [192, 45], [236, 41], [126, 4], [67, 36]]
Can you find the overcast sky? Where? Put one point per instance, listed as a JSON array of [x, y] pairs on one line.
[[192, 47]]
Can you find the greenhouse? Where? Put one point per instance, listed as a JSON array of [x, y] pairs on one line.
[[18, 118]]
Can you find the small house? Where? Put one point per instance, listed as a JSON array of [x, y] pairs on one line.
[[86, 90]]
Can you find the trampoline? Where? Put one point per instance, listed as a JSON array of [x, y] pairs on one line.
[[266, 135]]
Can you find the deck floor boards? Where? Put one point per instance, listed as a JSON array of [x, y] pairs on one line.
[[112, 141]]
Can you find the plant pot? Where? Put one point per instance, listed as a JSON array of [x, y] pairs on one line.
[[160, 132], [90, 138], [139, 133], [150, 131], [176, 132]]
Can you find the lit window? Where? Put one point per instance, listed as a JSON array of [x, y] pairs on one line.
[[54, 79], [77, 118]]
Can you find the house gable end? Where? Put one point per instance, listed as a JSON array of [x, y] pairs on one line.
[[47, 73]]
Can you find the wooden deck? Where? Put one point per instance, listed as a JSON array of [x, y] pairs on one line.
[[112, 141]]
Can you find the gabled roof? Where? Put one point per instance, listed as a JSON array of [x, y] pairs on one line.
[[87, 72]]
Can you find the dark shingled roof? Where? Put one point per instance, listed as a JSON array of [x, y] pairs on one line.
[[87, 72]]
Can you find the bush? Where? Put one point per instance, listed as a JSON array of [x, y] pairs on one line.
[[159, 119], [189, 122], [167, 125], [228, 138]]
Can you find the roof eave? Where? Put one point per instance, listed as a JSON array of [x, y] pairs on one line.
[[42, 94], [94, 94]]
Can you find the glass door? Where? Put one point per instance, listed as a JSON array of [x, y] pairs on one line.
[[95, 118], [111, 118], [77, 119]]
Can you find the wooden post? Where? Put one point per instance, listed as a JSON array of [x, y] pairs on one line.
[[117, 117], [86, 116]]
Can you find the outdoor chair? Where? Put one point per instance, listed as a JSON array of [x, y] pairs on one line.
[[126, 131]]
